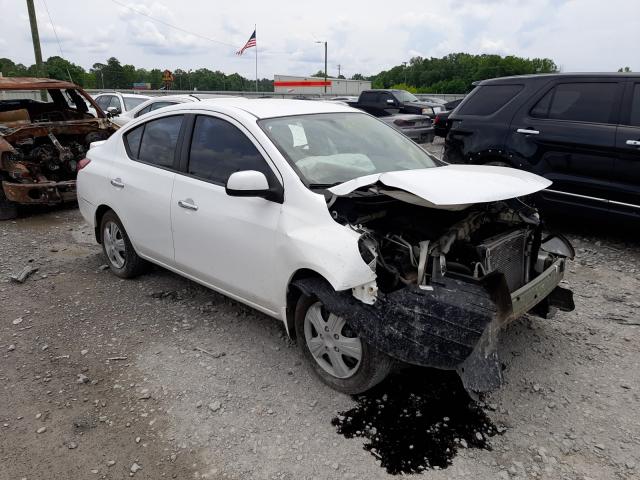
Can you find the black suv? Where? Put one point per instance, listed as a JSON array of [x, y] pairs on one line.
[[582, 131]]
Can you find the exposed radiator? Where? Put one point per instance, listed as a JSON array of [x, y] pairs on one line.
[[506, 254]]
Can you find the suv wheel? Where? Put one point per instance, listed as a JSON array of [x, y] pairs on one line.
[[334, 351], [123, 259]]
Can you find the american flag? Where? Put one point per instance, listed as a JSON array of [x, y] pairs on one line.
[[250, 43]]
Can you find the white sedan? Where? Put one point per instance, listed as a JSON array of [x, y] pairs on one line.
[[368, 249], [117, 103], [153, 103]]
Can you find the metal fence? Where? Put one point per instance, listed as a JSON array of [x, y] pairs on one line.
[[35, 94]]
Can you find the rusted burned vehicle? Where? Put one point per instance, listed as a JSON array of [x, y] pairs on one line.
[[45, 129]]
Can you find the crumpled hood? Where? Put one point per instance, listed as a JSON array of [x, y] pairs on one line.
[[451, 187]]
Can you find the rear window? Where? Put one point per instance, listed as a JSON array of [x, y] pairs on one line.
[[578, 102], [488, 99]]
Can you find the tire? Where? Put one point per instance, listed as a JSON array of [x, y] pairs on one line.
[[117, 248], [372, 367], [8, 209]]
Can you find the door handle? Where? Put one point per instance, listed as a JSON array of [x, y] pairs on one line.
[[187, 204], [117, 182], [527, 131], [633, 143]]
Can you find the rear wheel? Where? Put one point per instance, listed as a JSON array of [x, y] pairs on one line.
[[8, 209], [123, 259], [335, 352]]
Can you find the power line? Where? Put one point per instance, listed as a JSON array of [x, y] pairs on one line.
[[56, 35], [172, 26]]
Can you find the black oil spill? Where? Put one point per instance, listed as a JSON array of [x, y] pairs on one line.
[[417, 420]]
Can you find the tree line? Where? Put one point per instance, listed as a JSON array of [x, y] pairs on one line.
[[453, 73], [112, 75]]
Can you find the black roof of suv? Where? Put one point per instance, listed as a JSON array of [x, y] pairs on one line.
[[580, 130]]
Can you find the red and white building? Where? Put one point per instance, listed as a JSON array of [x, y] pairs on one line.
[[315, 85]]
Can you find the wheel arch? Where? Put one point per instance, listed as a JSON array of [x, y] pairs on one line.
[[100, 211], [293, 295]]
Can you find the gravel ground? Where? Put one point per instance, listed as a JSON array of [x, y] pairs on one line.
[[160, 378]]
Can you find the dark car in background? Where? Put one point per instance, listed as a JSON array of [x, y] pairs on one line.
[[582, 131], [395, 101]]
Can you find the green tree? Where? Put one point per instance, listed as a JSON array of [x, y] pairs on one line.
[[319, 73], [624, 69], [357, 76]]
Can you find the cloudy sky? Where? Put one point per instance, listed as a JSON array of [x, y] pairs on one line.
[[363, 36]]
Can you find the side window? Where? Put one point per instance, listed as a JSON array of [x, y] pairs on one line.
[[159, 140], [132, 141], [635, 106], [580, 102], [103, 101], [157, 105], [218, 149], [385, 97], [146, 109], [369, 97], [488, 99]]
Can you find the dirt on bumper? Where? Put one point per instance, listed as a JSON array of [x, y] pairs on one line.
[[452, 325]]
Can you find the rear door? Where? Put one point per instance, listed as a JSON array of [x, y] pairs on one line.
[[567, 133], [625, 197], [142, 183]]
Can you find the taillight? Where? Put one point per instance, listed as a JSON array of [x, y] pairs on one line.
[[436, 120], [82, 163]]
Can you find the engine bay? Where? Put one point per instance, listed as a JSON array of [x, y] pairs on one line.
[[407, 244]]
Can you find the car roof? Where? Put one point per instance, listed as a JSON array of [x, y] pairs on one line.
[[271, 107], [566, 75], [32, 83]]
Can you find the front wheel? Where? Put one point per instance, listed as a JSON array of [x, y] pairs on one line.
[[335, 352]]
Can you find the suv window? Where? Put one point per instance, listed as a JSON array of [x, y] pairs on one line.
[[218, 149], [155, 141], [488, 99], [369, 97], [581, 102], [635, 106]]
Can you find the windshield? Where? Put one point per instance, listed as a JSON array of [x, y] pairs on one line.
[[405, 96], [331, 148], [132, 102]]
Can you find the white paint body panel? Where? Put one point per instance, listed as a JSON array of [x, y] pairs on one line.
[[247, 248], [454, 185]]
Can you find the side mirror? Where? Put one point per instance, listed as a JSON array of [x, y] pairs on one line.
[[251, 183], [113, 111]]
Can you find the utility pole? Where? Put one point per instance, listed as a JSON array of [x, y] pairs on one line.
[[339, 70], [36, 44], [325, 67], [404, 64]]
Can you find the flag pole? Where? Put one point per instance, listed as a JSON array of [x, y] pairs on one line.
[[255, 30]]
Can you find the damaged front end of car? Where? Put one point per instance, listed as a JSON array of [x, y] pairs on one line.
[[448, 278]]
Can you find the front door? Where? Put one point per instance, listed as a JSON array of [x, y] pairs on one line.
[[227, 242], [567, 134]]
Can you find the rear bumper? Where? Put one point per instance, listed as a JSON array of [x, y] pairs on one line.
[[43, 193], [420, 134]]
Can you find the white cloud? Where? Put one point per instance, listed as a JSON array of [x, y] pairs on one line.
[[364, 36]]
